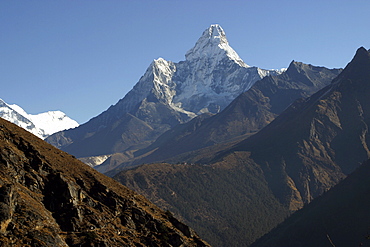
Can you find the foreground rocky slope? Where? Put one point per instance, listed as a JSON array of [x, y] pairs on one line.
[[305, 151], [49, 198]]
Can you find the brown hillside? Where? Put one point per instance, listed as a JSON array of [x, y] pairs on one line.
[[49, 198]]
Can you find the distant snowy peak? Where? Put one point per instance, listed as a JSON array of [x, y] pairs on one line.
[[213, 44], [41, 125], [53, 121]]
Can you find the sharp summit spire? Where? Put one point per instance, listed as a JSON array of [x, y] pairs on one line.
[[213, 44]]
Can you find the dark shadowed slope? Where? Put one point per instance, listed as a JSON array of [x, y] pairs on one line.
[[338, 218], [49, 198]]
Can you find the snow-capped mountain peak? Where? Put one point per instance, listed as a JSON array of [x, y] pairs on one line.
[[207, 81], [41, 125], [52, 121], [213, 45]]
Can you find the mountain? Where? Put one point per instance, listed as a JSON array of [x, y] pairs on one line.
[[248, 113], [310, 147], [167, 94], [49, 198], [338, 218], [41, 125]]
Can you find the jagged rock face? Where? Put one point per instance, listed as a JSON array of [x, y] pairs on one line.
[[168, 94], [48, 198]]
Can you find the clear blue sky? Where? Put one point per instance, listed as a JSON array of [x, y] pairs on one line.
[[83, 56]]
